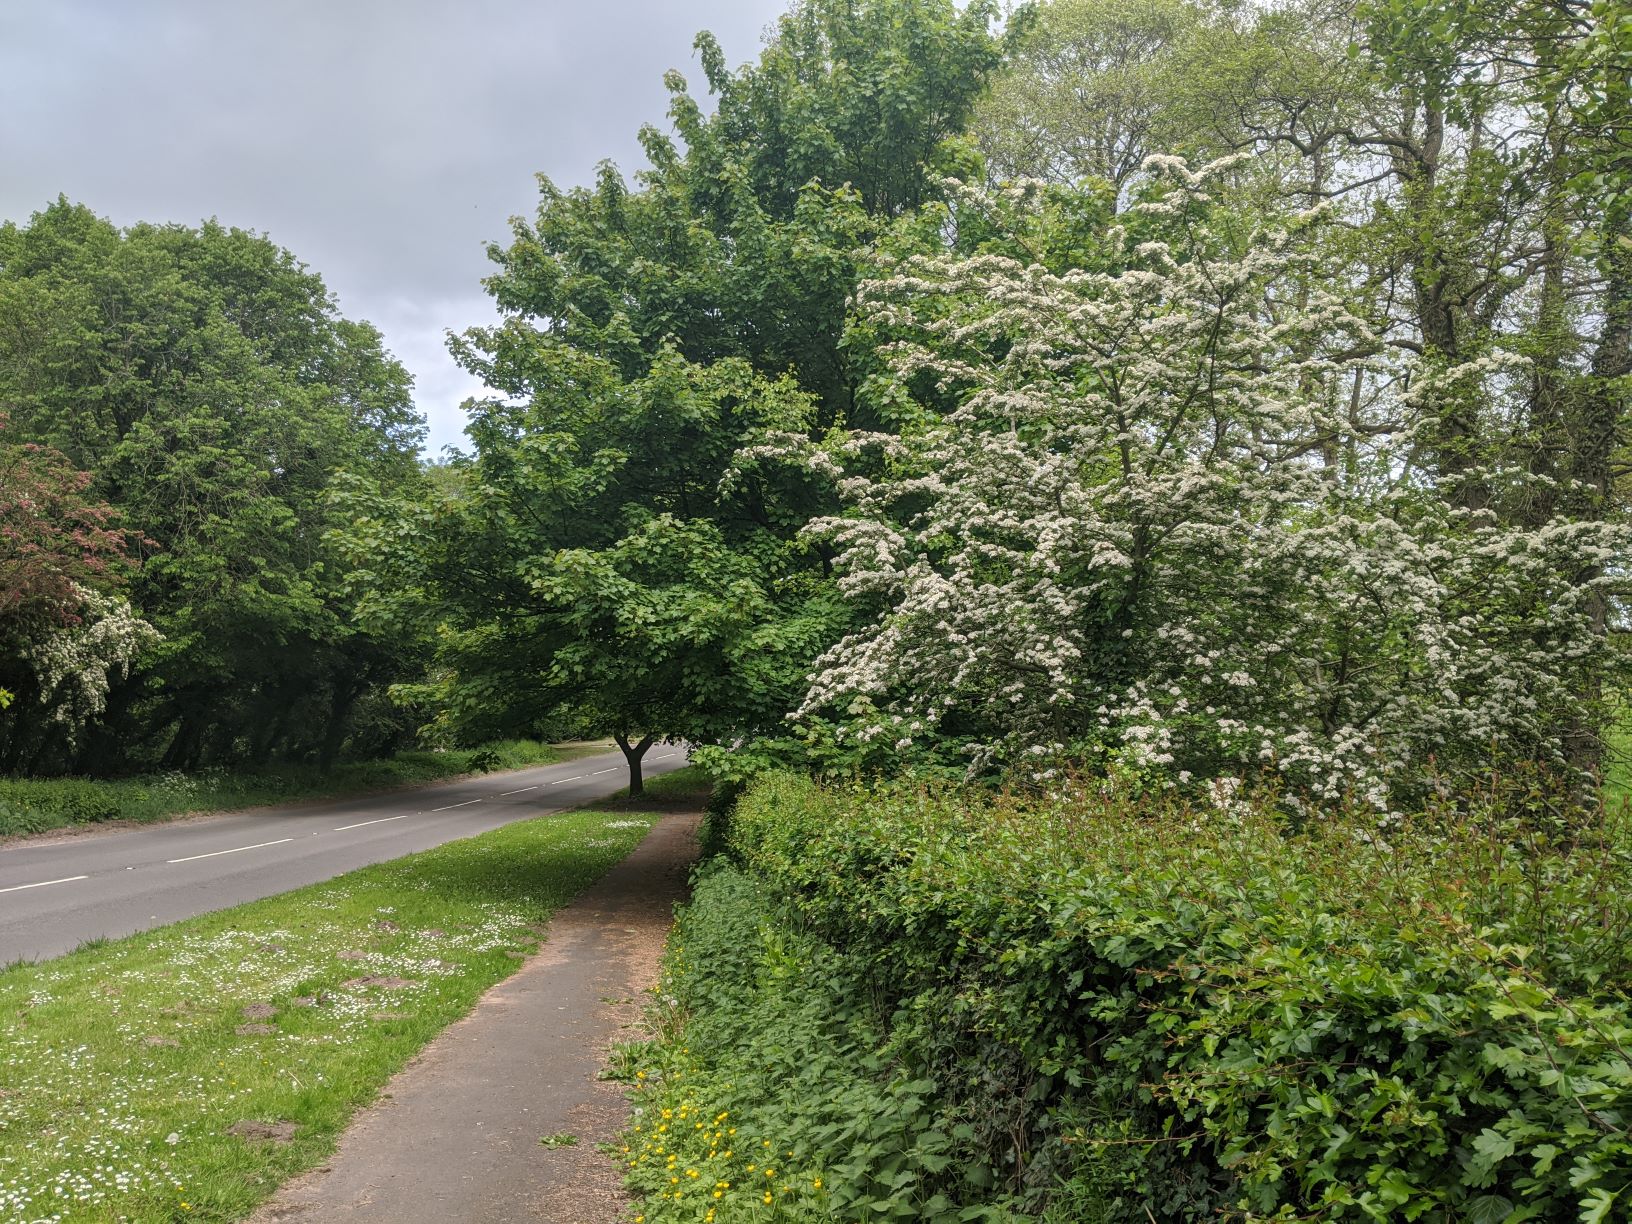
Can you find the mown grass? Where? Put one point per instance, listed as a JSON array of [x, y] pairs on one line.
[[123, 1067], [38, 805], [688, 786]]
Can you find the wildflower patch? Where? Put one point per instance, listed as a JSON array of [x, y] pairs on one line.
[[185, 1072]]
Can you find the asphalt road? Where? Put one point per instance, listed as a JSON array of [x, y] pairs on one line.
[[56, 894]]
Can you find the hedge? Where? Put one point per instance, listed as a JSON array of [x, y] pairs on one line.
[[1111, 1007]]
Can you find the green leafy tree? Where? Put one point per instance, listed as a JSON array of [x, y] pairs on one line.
[[589, 559], [1088, 91], [63, 557], [611, 550], [205, 380]]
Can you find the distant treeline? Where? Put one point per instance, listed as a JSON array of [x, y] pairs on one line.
[[175, 407]]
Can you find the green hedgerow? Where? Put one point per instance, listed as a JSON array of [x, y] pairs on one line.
[[1103, 1006]]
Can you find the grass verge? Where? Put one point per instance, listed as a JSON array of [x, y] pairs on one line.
[[183, 1073], [38, 805]]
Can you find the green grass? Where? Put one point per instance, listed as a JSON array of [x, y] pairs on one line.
[[680, 786], [1618, 771], [29, 805], [123, 1066]]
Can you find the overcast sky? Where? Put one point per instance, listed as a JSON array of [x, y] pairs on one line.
[[384, 142]]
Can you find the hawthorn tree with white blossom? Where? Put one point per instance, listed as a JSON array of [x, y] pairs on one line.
[[1176, 524], [65, 628]]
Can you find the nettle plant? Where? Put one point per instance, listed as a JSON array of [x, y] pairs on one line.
[[1175, 513]]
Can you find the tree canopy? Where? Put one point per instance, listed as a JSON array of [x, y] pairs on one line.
[[204, 381], [1184, 390], [612, 550]]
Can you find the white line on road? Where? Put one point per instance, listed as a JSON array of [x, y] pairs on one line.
[[234, 850], [381, 820], [599, 772], [43, 883], [451, 806], [502, 794], [572, 779]]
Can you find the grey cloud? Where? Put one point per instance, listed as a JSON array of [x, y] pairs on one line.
[[385, 142]]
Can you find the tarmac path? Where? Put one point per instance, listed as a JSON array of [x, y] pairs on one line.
[[455, 1136]]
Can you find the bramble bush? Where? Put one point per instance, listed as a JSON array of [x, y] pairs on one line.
[[930, 1004]]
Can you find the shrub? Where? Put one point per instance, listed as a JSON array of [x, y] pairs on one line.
[[59, 801], [1099, 1006], [16, 819]]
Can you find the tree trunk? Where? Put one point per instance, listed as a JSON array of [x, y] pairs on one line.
[[344, 697], [632, 753], [1439, 314], [1550, 381], [185, 744], [1601, 422]]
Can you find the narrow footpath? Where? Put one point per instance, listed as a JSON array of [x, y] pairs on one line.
[[456, 1134]]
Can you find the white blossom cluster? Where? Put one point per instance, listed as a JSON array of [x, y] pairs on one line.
[[73, 664], [1175, 524]]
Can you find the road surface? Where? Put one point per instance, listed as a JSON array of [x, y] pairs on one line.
[[56, 894]]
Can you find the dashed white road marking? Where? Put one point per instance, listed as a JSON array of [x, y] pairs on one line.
[[599, 772], [451, 806], [213, 853], [43, 883], [502, 794], [381, 820], [573, 779]]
